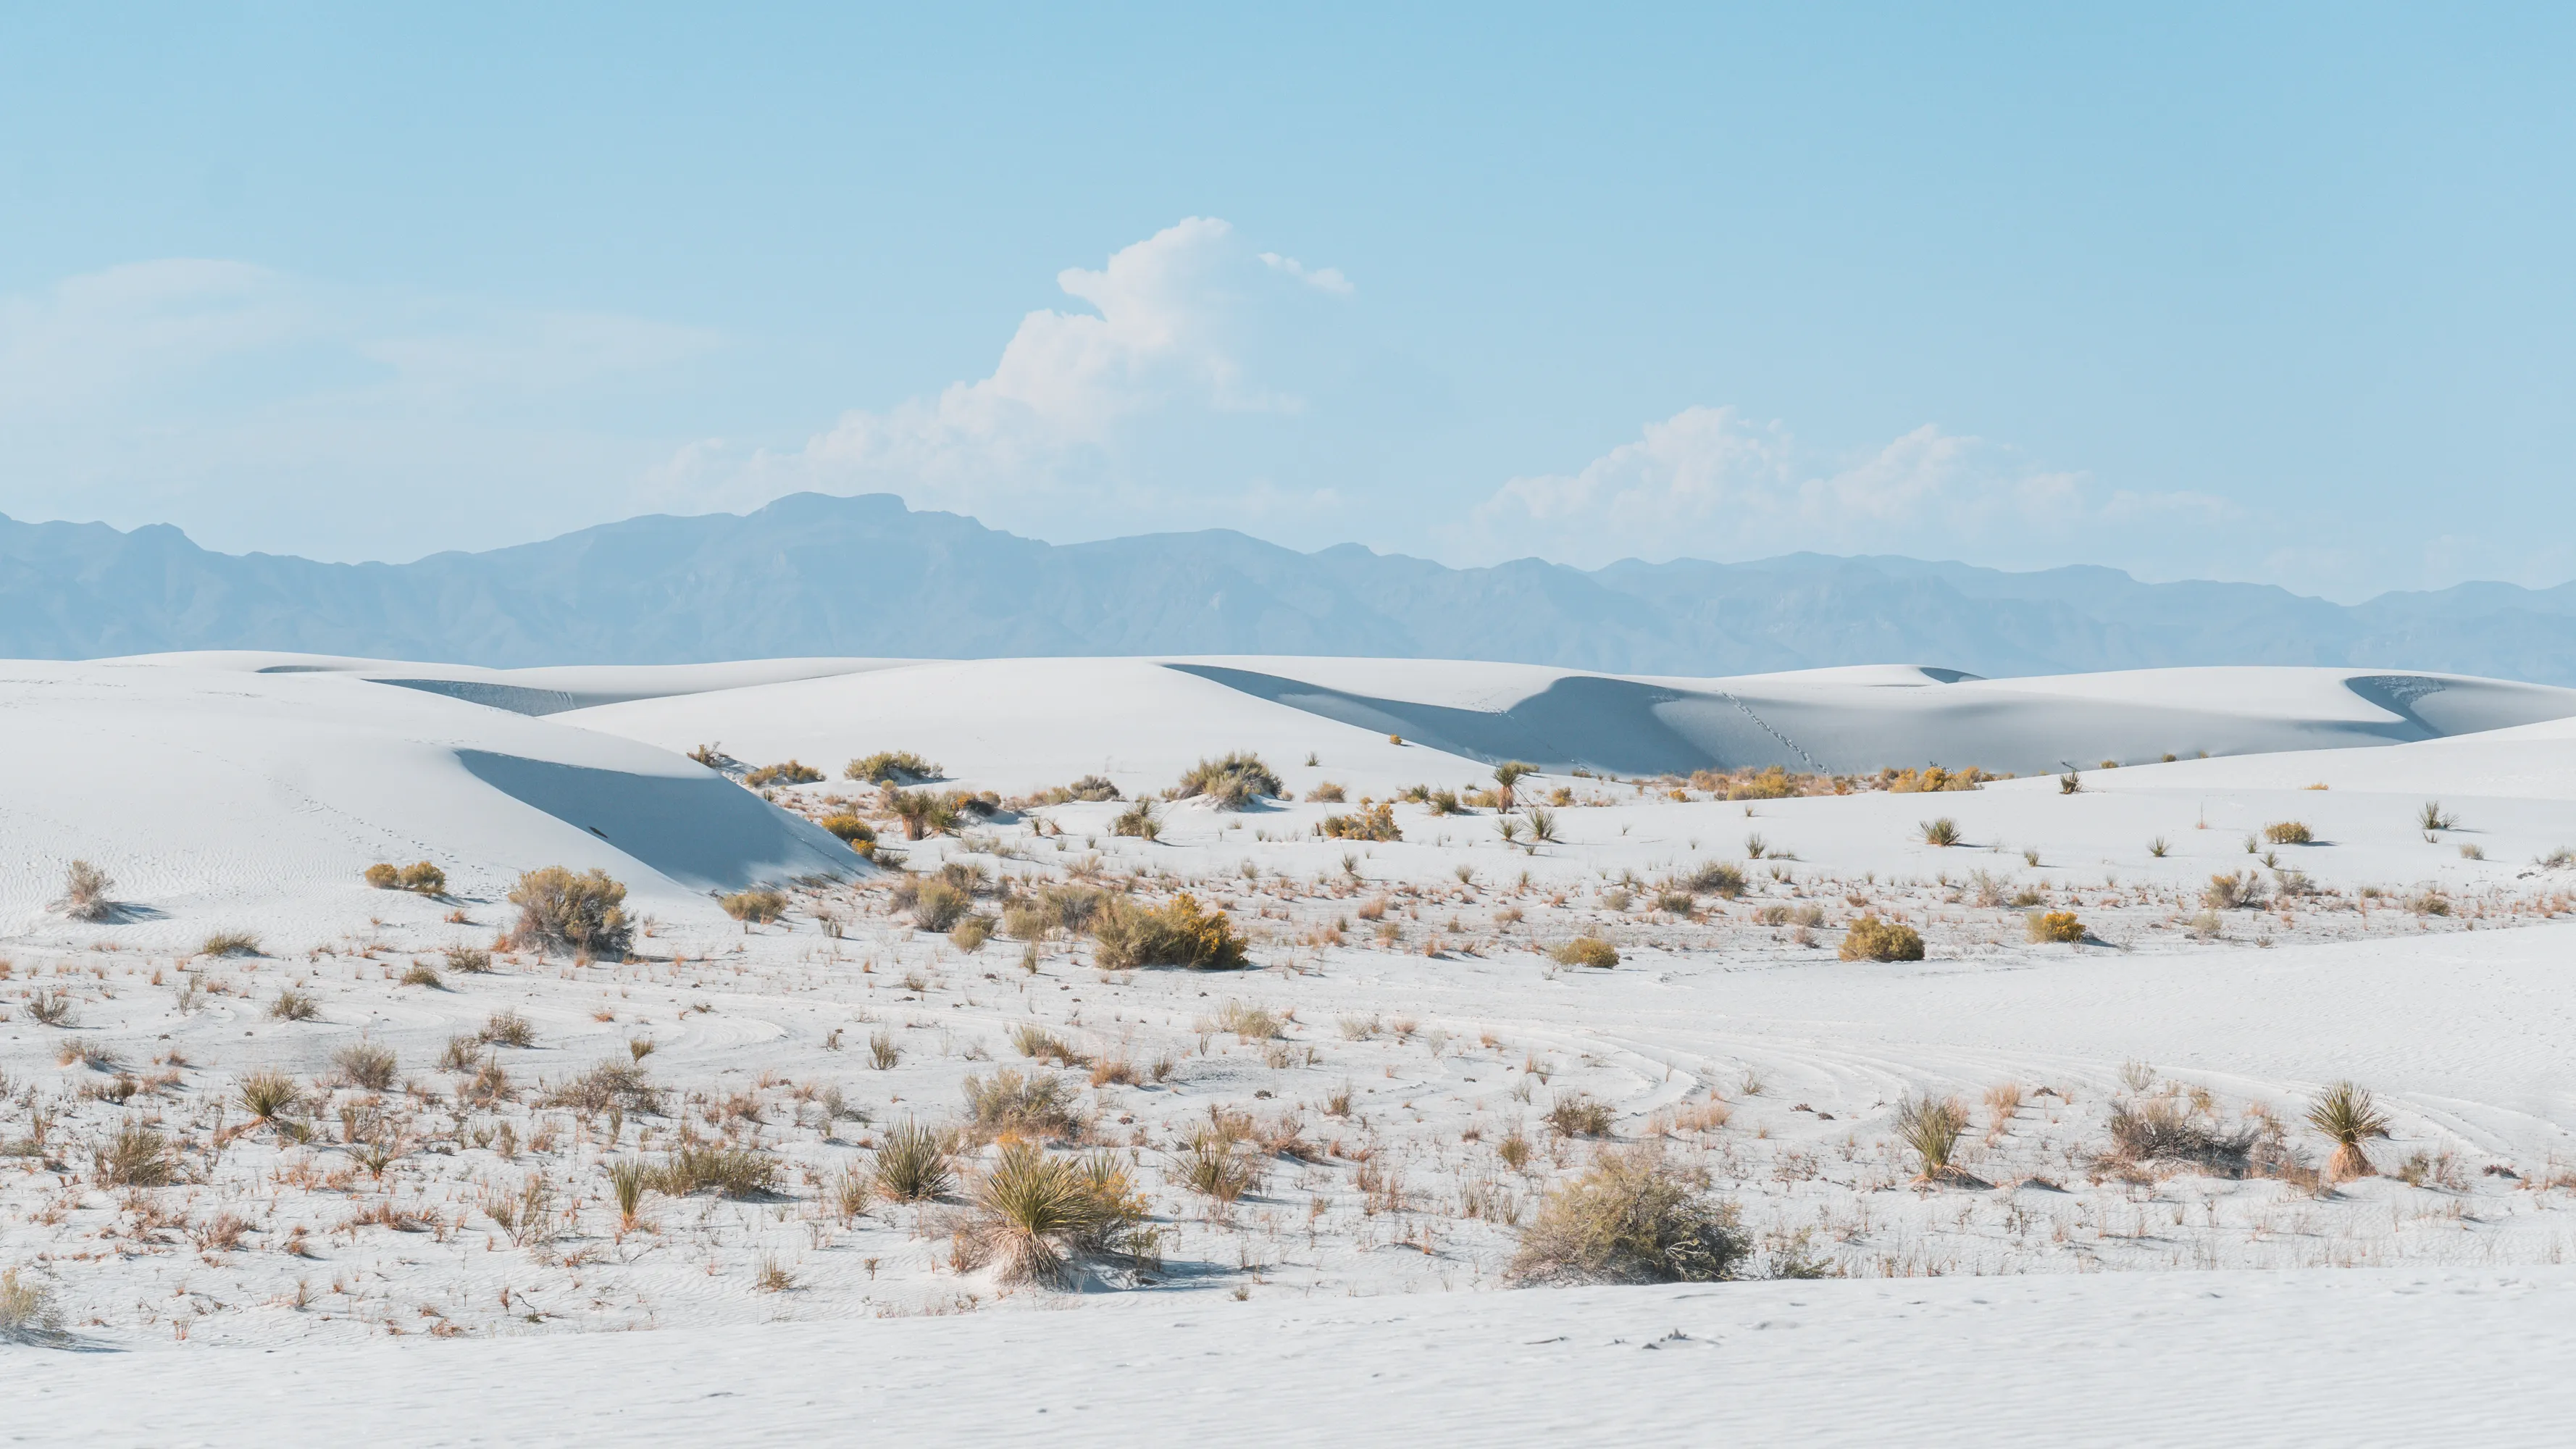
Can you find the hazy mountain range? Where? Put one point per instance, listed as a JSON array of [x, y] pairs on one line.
[[817, 575]]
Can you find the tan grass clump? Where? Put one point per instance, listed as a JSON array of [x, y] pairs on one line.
[[1234, 781], [758, 906], [1632, 1217], [1022, 1105], [891, 767], [1178, 933], [2289, 832], [420, 878], [1586, 951], [367, 1066], [912, 1164], [1577, 1114], [85, 889], [1932, 1129], [1372, 823], [786, 772]]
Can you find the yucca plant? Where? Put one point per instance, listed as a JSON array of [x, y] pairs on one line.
[[1034, 1210], [1507, 776], [912, 1166], [2347, 1114], [1943, 831], [1932, 1129], [628, 1178], [266, 1096]]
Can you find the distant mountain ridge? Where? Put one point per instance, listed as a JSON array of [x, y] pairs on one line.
[[812, 574]]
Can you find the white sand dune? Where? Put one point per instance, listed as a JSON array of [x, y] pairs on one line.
[[1104, 715], [214, 792]]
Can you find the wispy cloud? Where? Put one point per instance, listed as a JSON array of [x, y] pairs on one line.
[[1707, 482]]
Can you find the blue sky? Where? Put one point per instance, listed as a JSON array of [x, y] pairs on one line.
[[2239, 292]]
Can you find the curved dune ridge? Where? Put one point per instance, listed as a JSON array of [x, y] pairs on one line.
[[208, 786]]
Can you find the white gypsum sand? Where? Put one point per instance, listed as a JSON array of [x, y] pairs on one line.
[[1416, 1028]]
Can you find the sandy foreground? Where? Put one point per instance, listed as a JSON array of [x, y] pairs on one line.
[[1406, 1074]]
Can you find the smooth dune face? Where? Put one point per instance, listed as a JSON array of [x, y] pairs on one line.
[[212, 789]]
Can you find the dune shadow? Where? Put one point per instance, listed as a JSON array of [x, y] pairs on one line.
[[702, 831]]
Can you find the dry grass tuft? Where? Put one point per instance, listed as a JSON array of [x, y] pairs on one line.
[[584, 914], [912, 1164], [1586, 951], [1870, 939], [367, 1066], [2061, 928], [1179, 933]]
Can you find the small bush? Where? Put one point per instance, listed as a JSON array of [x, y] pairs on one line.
[[1233, 782], [229, 943], [423, 974], [1715, 878], [2231, 892], [2289, 832], [938, 905], [1576, 1114], [789, 772], [970, 934], [2162, 1130], [367, 1066], [1871, 939], [1032, 1040], [507, 1028], [583, 913], [27, 1312], [1177, 934], [136, 1156], [469, 960], [294, 1005], [609, 1083], [1632, 1217], [737, 1172], [858, 833], [1942, 831], [912, 1164], [53, 1008], [2056, 928], [1376, 823], [2432, 817], [1090, 789], [85, 889], [1137, 822], [758, 906], [891, 767], [1036, 1106], [1326, 793], [1586, 951]]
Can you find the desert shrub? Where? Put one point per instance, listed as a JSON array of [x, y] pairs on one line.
[[2289, 832], [469, 960], [2429, 902], [1507, 778], [1586, 951], [507, 1028], [294, 1005], [891, 767], [1072, 908], [268, 1095], [383, 876], [1249, 1023], [937, 905], [1091, 789], [1940, 831], [1375, 823], [52, 1008], [1932, 1129], [1932, 779], [760, 905], [85, 889], [1024, 921], [1632, 1217], [1024, 1105], [423, 974], [1232, 781], [134, 1156], [1176, 934], [229, 943], [1871, 939], [609, 1083], [1715, 878], [2161, 1129], [1035, 1041], [367, 1065], [857, 832], [2348, 1117], [970, 934], [789, 772], [1216, 1165], [2560, 859], [1137, 821], [1577, 1114], [1035, 1212], [1326, 793], [2433, 817], [27, 1312], [912, 1164], [2230, 892], [582, 913], [737, 1172], [923, 812], [2055, 927]]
